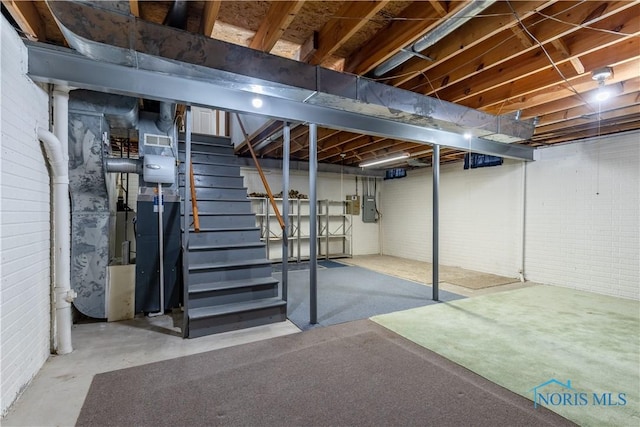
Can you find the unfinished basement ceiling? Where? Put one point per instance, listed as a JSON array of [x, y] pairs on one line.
[[535, 57]]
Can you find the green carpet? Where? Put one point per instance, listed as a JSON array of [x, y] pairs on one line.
[[523, 338]]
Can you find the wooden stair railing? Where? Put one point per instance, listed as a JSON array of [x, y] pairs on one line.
[[194, 200], [262, 177]]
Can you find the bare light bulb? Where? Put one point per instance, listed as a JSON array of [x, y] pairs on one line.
[[256, 102]]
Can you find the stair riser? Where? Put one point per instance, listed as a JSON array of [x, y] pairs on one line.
[[213, 149], [221, 207], [215, 181], [218, 193], [226, 221], [224, 255], [235, 321], [230, 296], [227, 158], [207, 169], [199, 138], [219, 275], [224, 237]]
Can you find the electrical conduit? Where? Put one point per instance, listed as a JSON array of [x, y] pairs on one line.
[[63, 295]]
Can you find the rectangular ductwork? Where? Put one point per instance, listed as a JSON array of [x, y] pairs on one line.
[[291, 90]]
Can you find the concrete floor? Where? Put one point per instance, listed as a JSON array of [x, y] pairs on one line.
[[102, 347]]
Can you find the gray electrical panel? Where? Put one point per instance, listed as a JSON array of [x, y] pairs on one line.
[[368, 208]]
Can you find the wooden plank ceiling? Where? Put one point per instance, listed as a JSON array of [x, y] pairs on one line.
[[535, 57]]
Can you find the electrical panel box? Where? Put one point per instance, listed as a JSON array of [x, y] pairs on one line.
[[368, 209], [352, 205]]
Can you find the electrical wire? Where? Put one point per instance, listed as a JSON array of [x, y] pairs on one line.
[[586, 27], [551, 61]]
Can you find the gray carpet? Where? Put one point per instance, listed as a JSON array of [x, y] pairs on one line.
[[354, 374], [354, 293]]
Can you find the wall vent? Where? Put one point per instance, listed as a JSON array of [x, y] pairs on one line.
[[162, 141]]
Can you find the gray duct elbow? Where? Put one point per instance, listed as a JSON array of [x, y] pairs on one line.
[[165, 118], [116, 164]]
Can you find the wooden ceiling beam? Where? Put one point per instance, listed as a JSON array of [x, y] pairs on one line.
[[550, 111], [358, 143], [134, 6], [499, 17], [209, 16], [503, 47], [622, 72], [566, 54], [587, 130], [274, 24], [28, 19], [352, 16], [630, 99], [412, 23], [629, 112], [482, 91]]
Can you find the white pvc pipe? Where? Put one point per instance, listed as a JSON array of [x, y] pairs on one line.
[[62, 240]]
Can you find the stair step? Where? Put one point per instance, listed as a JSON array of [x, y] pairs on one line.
[[231, 284], [207, 157], [212, 294], [202, 180], [202, 138], [208, 220], [223, 247], [215, 193], [213, 320], [213, 169], [225, 206], [200, 313], [230, 265]]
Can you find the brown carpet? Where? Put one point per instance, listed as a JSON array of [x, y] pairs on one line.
[[352, 374]]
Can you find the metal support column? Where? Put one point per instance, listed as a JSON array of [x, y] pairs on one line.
[[286, 145], [436, 218], [313, 225]]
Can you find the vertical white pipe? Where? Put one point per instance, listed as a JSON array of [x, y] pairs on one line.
[[62, 240]]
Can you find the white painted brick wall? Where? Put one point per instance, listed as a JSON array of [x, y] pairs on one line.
[[480, 217], [583, 210], [24, 224], [330, 187]]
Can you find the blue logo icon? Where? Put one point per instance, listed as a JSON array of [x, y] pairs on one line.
[[556, 393]]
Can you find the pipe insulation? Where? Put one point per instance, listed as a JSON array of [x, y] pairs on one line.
[[63, 295], [123, 165]]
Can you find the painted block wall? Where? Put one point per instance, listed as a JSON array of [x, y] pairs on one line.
[[24, 225], [329, 186], [480, 217], [583, 214]]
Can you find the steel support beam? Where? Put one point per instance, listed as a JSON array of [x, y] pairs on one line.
[[436, 222], [286, 148], [63, 66], [313, 225]]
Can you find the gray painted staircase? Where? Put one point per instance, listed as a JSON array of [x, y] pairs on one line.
[[229, 278]]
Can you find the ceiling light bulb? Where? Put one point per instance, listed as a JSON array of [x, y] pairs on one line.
[[467, 135], [602, 95], [256, 102]]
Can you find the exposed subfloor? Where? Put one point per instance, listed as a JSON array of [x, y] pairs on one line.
[[102, 347]]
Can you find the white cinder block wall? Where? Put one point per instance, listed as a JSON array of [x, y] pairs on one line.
[[24, 225], [480, 217], [583, 214], [330, 186]]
